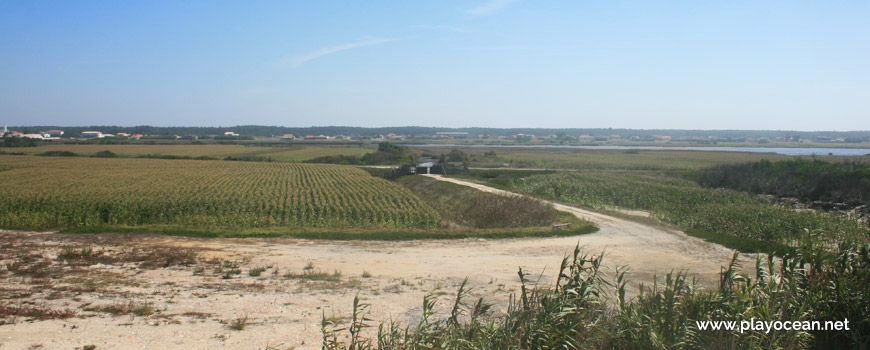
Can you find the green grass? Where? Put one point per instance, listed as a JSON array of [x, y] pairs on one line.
[[594, 159], [349, 235], [681, 202], [462, 206], [742, 245], [315, 275]]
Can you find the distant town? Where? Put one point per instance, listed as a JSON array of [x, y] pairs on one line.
[[421, 134]]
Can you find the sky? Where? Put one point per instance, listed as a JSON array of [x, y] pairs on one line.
[[784, 65]]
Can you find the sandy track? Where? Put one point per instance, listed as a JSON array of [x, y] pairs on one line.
[[288, 311], [646, 249]]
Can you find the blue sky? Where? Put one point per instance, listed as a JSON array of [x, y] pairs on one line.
[[799, 65]]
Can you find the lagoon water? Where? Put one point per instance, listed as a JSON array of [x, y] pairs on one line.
[[780, 150]]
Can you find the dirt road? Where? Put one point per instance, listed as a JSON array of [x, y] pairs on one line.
[[646, 249], [194, 306]]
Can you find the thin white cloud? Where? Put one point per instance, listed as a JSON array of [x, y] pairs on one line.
[[494, 48], [444, 27], [489, 7], [298, 60]]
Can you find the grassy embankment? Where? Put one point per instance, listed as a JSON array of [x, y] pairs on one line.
[[462, 208]]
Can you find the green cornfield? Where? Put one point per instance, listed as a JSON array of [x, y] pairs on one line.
[[53, 192]]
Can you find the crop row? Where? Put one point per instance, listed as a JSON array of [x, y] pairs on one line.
[[64, 192]]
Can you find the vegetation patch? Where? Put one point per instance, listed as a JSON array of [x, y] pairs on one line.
[[90, 192], [808, 180], [59, 154], [464, 206], [684, 203], [585, 309], [742, 245], [577, 227], [386, 154], [120, 308], [34, 312]]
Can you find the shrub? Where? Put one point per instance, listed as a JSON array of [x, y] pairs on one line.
[[579, 312]]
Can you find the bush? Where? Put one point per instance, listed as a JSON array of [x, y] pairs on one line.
[[807, 180], [390, 154], [59, 154], [339, 159], [19, 142], [105, 154]]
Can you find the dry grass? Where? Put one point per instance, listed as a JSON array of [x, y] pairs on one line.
[[460, 206], [312, 275], [121, 308], [151, 258], [34, 312], [239, 324]]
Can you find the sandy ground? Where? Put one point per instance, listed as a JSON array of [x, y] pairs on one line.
[[192, 306]]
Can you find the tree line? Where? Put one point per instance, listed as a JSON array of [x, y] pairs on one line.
[[808, 180], [266, 131]]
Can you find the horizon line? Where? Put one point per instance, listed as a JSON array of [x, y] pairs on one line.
[[428, 127]]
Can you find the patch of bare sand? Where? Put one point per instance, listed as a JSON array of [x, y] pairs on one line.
[[194, 305]]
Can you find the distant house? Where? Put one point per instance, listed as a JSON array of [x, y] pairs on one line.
[[288, 137], [54, 133], [452, 135], [33, 136], [92, 135], [427, 165], [136, 136], [13, 134], [123, 134], [230, 133]]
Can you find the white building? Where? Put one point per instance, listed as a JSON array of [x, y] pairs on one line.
[[92, 135]]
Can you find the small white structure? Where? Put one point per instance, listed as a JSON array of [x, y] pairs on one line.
[[230, 133], [92, 135]]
